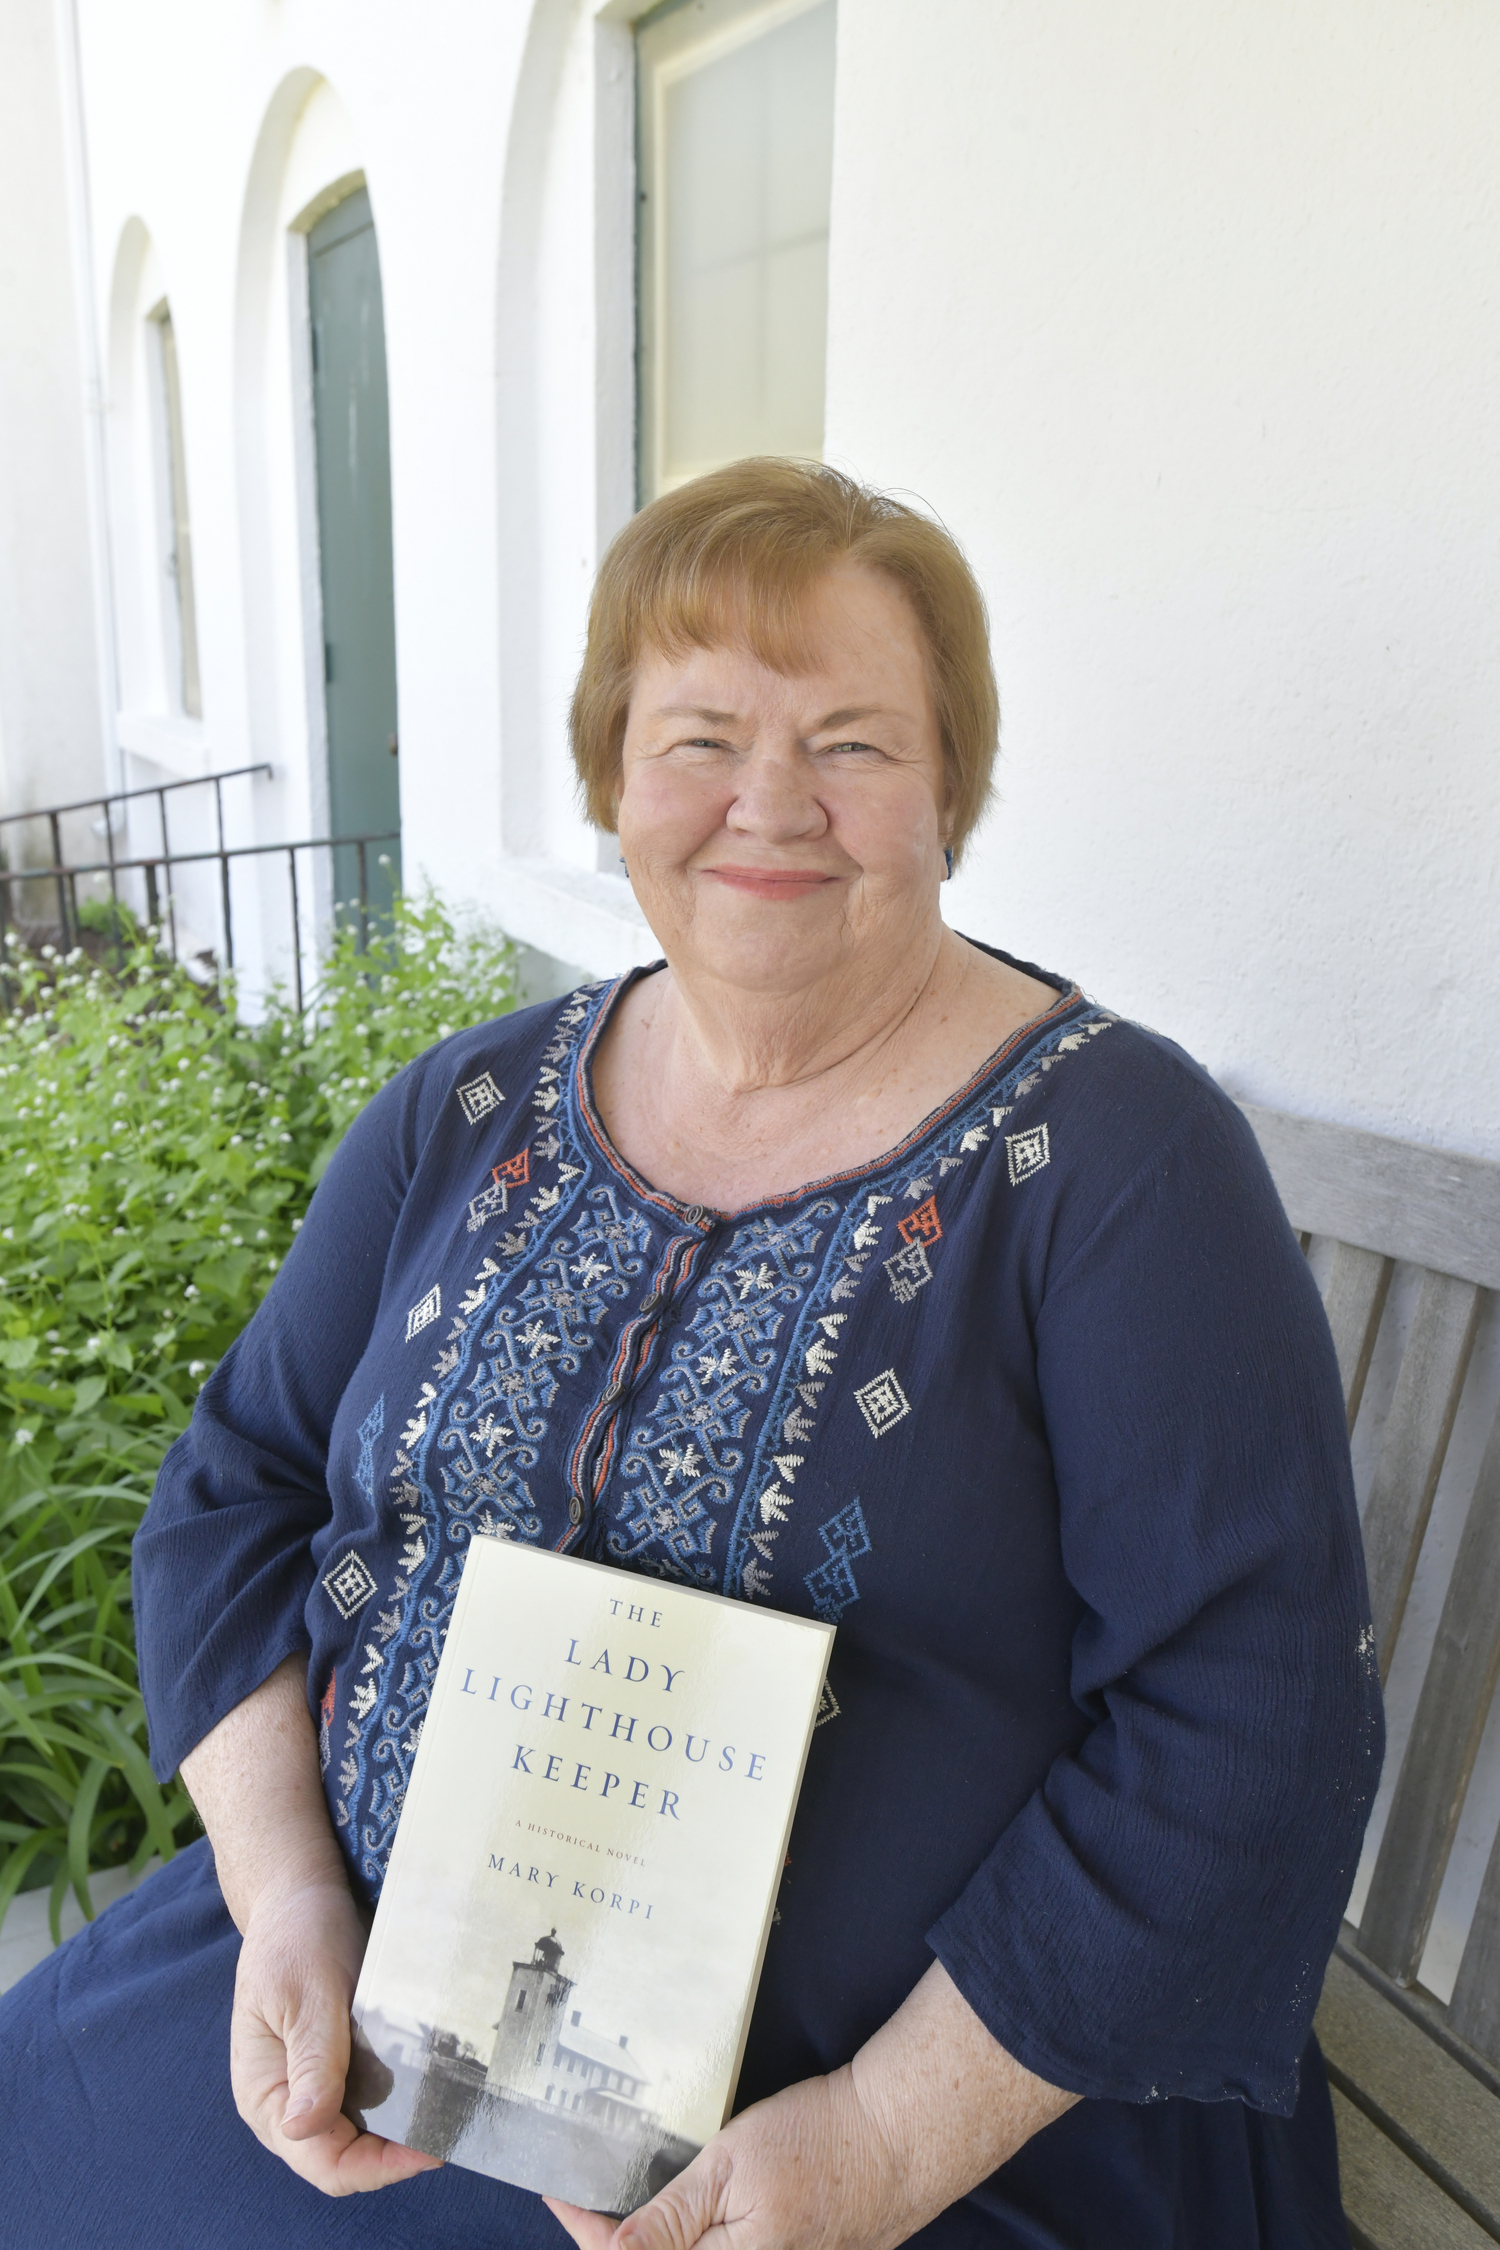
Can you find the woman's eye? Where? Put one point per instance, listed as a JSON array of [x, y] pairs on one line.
[[835, 749]]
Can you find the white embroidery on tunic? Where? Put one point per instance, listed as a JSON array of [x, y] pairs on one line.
[[908, 1271], [349, 1584], [882, 1402], [1027, 1153], [489, 1204], [479, 1097], [422, 1314]]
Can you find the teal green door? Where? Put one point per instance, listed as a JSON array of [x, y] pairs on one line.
[[352, 425]]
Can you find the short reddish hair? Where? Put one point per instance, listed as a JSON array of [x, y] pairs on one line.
[[727, 559]]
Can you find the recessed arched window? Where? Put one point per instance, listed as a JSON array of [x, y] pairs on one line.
[[177, 537], [735, 164]]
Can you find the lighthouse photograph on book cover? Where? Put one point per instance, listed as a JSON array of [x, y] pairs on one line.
[[564, 1958]]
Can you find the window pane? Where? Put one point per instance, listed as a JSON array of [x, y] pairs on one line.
[[180, 550], [736, 160]]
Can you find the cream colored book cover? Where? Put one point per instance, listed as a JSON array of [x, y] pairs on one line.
[[559, 1980]]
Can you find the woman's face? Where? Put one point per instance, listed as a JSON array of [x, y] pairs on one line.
[[775, 824]]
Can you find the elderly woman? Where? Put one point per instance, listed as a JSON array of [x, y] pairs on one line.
[[836, 1263]]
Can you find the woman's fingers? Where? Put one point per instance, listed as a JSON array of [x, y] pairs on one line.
[[323, 2147]]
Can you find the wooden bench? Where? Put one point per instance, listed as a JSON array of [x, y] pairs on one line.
[[1416, 2081]]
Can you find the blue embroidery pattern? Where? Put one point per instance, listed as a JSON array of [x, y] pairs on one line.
[[479, 1433], [497, 1420], [369, 1430], [543, 1333], [683, 1458], [847, 1537]]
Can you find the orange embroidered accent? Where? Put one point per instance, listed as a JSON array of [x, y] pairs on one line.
[[921, 1225], [514, 1172]]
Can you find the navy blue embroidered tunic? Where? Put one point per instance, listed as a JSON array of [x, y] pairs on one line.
[[1041, 1408]]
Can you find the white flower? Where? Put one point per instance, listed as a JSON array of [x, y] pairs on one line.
[[197, 1366], [24, 1437], [191, 1290]]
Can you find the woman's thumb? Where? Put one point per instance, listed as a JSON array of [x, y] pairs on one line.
[[682, 2214], [317, 2063]]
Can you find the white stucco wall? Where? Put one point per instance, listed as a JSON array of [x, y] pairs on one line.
[[1181, 314], [50, 714], [1184, 317]]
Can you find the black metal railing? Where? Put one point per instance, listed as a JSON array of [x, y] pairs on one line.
[[154, 869], [61, 871]]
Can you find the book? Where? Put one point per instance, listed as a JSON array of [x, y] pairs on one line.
[[558, 1983]]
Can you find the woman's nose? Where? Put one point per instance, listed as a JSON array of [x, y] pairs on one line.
[[777, 798]]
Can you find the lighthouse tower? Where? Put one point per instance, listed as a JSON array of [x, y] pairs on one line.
[[528, 2025]]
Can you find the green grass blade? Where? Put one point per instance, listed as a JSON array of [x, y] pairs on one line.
[[80, 1832]]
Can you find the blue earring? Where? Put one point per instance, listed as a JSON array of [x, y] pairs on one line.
[[948, 856]]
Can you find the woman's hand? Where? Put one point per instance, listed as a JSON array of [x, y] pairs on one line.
[[859, 2160], [806, 2170], [255, 1782], [289, 2039]]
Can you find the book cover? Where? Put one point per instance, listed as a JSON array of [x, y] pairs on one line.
[[559, 1979]]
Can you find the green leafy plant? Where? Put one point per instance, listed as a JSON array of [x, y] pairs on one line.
[[156, 1156], [109, 918]]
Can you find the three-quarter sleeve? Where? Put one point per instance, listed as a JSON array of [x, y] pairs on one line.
[[1156, 1920], [222, 1563]]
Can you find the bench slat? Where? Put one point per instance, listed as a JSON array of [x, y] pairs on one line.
[[1445, 1736], [1431, 2099], [1396, 1197], [1391, 2205], [1474, 2010], [1355, 1300], [1433, 1367]]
